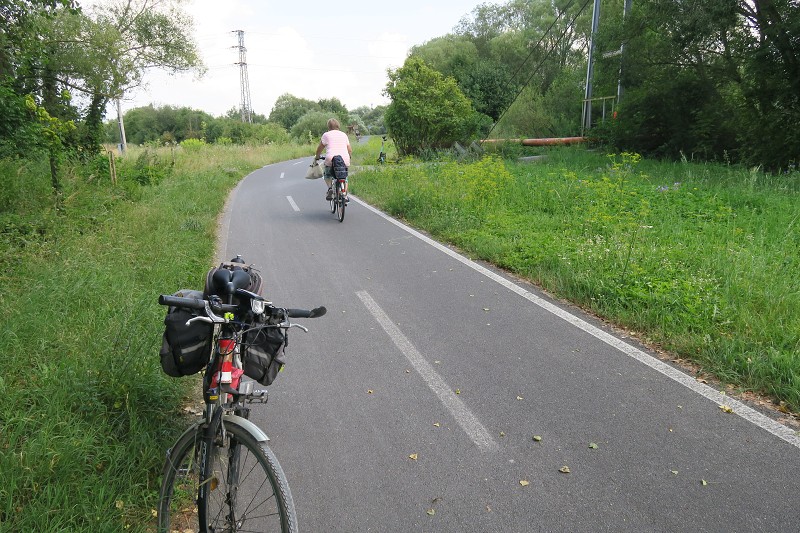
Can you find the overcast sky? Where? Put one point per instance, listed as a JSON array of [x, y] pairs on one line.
[[307, 48]]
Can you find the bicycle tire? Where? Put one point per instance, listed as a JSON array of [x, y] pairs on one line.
[[341, 204], [261, 497]]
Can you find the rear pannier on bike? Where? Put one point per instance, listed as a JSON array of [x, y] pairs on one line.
[[339, 168], [185, 350]]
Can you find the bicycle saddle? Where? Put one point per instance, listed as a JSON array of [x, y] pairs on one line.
[[226, 281]]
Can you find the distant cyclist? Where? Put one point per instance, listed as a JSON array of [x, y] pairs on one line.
[[334, 142]]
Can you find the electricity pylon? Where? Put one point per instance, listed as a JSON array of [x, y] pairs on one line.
[[245, 106]]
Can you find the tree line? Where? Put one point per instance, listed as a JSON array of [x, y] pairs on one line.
[[292, 119], [709, 79]]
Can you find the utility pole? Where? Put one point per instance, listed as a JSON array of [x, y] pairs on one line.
[[123, 144], [625, 13], [244, 82], [586, 122]]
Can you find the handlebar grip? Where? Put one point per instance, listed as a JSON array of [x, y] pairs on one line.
[[194, 303], [304, 313], [177, 301]]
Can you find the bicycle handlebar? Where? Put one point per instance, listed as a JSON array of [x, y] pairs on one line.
[[199, 303]]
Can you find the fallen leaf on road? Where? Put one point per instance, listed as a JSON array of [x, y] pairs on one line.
[[369, 391], [431, 512], [413, 457], [458, 391], [564, 469], [592, 445], [704, 482], [436, 424], [726, 408], [537, 438], [502, 433], [519, 397], [675, 472], [524, 482]]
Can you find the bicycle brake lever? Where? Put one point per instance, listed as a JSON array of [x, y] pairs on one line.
[[199, 318]]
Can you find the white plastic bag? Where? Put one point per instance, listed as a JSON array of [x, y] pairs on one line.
[[315, 170]]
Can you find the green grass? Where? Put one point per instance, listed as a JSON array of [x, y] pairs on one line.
[[87, 414], [703, 260]]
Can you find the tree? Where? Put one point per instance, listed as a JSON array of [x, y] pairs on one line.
[[132, 36], [288, 109], [333, 105], [71, 64], [428, 110], [311, 126], [452, 55], [713, 78], [21, 52], [372, 118]]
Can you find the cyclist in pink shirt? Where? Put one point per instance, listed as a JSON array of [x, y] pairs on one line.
[[334, 142]]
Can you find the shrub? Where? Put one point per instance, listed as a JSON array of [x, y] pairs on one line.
[[192, 145], [428, 110]]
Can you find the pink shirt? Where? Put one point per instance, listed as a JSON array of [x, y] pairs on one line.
[[336, 143]]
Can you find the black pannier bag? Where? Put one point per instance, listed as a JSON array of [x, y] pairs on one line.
[[339, 168], [185, 350], [262, 352]]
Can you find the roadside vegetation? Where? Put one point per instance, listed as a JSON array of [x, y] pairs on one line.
[[87, 414]]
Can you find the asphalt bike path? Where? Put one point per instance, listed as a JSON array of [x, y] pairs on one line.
[[439, 394]]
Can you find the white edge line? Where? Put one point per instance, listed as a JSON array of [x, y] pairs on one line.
[[748, 413], [468, 421]]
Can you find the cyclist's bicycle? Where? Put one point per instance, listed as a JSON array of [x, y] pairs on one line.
[[221, 475], [339, 198]]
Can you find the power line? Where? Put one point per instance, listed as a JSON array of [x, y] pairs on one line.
[[536, 46], [544, 58]]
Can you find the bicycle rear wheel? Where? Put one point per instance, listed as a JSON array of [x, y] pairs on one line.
[[246, 487], [340, 205]]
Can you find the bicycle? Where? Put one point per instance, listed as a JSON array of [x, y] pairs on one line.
[[339, 198], [382, 155], [221, 475]]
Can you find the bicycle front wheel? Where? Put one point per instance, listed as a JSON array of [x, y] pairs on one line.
[[245, 488]]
